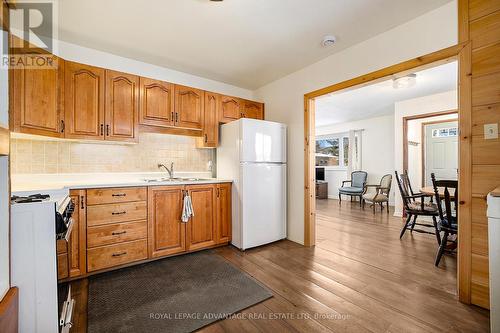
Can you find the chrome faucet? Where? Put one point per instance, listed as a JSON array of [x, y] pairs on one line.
[[170, 171]]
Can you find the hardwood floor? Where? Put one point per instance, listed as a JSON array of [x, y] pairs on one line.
[[359, 278]]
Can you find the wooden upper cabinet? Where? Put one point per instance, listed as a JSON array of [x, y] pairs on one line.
[[167, 233], [157, 103], [201, 229], [210, 138], [121, 107], [253, 110], [37, 95], [77, 246], [224, 231], [84, 101], [189, 105], [231, 109]]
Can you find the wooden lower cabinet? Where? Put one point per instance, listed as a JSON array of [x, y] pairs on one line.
[[78, 240], [62, 259], [142, 229], [167, 233], [224, 213], [202, 227]]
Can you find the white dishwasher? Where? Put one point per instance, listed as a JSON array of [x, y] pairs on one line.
[[494, 259]]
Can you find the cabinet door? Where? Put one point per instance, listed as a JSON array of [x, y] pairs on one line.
[[202, 227], [224, 213], [188, 107], [122, 105], [157, 103], [77, 246], [167, 234], [210, 138], [84, 101], [36, 100], [253, 110], [230, 109]]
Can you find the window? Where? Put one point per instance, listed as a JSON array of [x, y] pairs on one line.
[[327, 152], [444, 132], [332, 150]]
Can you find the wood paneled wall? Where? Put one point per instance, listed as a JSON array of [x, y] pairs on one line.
[[480, 26]]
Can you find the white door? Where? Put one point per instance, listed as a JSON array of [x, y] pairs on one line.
[[262, 141], [441, 151], [263, 203]]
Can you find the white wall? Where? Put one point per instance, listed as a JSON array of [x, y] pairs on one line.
[[4, 184], [284, 98], [427, 104], [377, 153]]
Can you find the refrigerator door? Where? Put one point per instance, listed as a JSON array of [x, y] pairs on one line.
[[262, 141], [263, 204]]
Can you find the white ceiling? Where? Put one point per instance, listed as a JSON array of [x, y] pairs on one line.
[[247, 43], [378, 99]]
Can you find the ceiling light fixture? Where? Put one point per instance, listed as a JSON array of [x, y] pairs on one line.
[[328, 41], [406, 81]]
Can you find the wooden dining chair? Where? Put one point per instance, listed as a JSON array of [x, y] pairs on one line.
[[448, 215], [415, 205]]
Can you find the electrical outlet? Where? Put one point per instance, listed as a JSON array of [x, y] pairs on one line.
[[490, 131]]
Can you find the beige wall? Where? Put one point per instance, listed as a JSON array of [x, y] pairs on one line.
[[36, 156]]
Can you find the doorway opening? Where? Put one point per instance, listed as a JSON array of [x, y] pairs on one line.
[[343, 149]]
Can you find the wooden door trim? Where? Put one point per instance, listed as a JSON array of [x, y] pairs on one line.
[[405, 129], [463, 53], [422, 142]]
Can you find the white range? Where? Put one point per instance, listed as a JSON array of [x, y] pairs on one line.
[[253, 154]]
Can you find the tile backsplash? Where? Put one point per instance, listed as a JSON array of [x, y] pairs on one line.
[[40, 156]]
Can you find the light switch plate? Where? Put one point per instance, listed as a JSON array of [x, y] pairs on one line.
[[490, 131]]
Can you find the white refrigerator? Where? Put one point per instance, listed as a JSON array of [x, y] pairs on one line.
[[252, 153]]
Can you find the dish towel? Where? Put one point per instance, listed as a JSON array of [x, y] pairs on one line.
[[187, 208]]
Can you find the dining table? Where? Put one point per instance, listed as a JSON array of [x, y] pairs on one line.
[[429, 190]]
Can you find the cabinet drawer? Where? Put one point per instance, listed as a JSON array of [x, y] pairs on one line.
[[116, 233], [116, 195], [114, 255], [62, 266], [113, 213]]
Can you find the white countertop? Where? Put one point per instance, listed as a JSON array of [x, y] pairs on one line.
[[47, 182]]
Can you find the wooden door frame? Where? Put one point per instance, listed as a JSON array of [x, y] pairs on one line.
[[422, 140], [414, 117], [461, 52]]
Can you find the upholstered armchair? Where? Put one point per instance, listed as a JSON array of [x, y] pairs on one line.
[[379, 194], [357, 188]]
